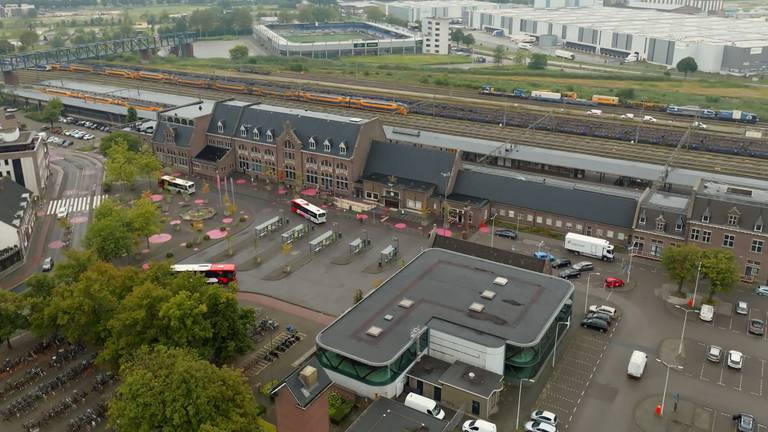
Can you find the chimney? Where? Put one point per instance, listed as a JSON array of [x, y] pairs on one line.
[[308, 376]]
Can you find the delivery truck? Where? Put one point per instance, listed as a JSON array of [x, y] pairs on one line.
[[565, 54], [590, 246]]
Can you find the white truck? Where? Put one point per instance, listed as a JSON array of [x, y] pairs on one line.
[[589, 246], [565, 54], [636, 365]]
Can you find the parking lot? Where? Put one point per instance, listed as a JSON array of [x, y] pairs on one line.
[[723, 422], [726, 319], [751, 378], [575, 366]]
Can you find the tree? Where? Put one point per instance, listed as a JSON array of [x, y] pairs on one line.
[[681, 263], [498, 54], [143, 218], [6, 47], [203, 20], [468, 39], [520, 57], [172, 389], [242, 20], [11, 315], [374, 13], [719, 266], [121, 163], [37, 298], [29, 38], [109, 236], [238, 53], [538, 61], [229, 324], [131, 115], [57, 42], [133, 142], [625, 94], [457, 36], [52, 111], [147, 165], [687, 65]]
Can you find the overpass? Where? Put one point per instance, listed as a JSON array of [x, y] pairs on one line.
[[181, 42]]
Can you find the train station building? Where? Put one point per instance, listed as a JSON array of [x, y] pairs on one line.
[[480, 321]]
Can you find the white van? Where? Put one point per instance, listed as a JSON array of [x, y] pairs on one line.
[[425, 405], [478, 425], [524, 45], [637, 362], [707, 312]]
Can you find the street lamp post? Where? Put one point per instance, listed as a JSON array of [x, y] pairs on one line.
[[691, 309], [554, 352], [629, 267], [586, 298], [493, 226], [519, 397], [447, 176], [666, 383]]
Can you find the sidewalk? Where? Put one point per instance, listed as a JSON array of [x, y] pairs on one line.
[[679, 416]]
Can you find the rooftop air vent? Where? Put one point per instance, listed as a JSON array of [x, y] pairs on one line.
[[500, 281], [355, 119], [488, 294], [388, 317], [476, 307], [405, 303], [374, 331]]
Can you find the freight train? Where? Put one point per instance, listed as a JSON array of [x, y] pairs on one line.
[[241, 87], [571, 99]]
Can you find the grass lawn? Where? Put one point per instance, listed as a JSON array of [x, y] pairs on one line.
[[407, 60], [336, 37], [266, 426]]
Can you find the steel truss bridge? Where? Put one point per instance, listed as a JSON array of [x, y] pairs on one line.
[[95, 50]]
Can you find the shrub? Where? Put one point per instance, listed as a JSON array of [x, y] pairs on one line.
[[267, 387], [169, 254], [188, 245], [338, 407], [107, 187], [222, 228], [260, 410], [243, 218], [206, 237], [297, 67]]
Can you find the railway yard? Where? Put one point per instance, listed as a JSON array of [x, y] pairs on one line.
[[724, 151]]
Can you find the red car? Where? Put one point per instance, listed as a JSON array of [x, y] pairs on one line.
[[613, 282]]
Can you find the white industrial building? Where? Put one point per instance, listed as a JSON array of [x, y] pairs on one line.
[[413, 11], [704, 6], [717, 44], [437, 35]]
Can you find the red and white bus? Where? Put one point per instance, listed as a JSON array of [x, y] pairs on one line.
[[214, 273], [175, 184], [309, 211]]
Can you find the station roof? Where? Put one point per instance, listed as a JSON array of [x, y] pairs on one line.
[[387, 415], [122, 92], [423, 164], [442, 285], [196, 109], [79, 103]]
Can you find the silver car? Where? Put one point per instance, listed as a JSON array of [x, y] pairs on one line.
[[714, 353], [762, 290]]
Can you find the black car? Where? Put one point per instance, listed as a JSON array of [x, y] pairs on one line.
[[561, 263], [595, 324], [570, 273], [512, 235], [600, 316]]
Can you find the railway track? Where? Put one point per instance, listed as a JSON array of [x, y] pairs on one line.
[[692, 159]]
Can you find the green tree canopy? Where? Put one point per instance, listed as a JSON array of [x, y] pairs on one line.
[[12, 316], [133, 142], [538, 61], [719, 266], [203, 20], [468, 39], [109, 235], [57, 42], [121, 163], [498, 54], [171, 389], [374, 13], [238, 53], [52, 111], [457, 36], [6, 47], [681, 263], [143, 218], [242, 20], [318, 14], [687, 65], [131, 115], [520, 57], [29, 38]]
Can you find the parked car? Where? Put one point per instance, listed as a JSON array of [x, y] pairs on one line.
[[584, 266], [561, 263], [735, 359], [613, 282], [762, 290], [537, 426], [570, 273], [11, 110], [714, 353], [742, 308], [478, 425], [756, 327], [601, 316], [47, 264], [544, 256], [595, 324], [88, 137], [595, 112], [745, 422], [628, 116], [649, 119], [505, 233], [700, 125], [603, 309], [707, 312], [62, 212], [544, 416]]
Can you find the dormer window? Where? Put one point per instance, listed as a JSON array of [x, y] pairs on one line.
[[220, 126], [256, 134], [705, 216], [269, 135], [660, 224], [733, 217], [312, 143], [679, 224], [641, 219], [758, 225], [342, 149], [243, 131], [326, 146]]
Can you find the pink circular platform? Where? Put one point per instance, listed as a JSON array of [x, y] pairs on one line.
[[400, 226], [443, 232], [56, 244], [227, 220], [309, 192], [159, 238], [199, 201], [485, 229], [362, 216], [78, 219], [156, 197], [240, 181], [216, 234], [281, 191], [145, 266], [175, 222]]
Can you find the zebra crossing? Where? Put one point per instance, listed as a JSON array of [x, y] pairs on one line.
[[75, 204]]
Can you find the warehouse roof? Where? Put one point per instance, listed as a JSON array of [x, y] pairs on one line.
[[387, 415], [436, 290], [423, 164]]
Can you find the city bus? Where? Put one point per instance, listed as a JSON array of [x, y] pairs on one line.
[[174, 184], [308, 211], [214, 273]]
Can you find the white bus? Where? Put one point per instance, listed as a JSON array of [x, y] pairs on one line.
[[307, 210], [174, 184]]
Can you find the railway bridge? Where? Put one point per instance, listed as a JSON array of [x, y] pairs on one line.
[[181, 43]]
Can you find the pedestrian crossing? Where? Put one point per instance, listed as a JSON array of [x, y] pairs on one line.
[[75, 204]]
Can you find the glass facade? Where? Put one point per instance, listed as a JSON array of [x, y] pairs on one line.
[[373, 375], [525, 362]]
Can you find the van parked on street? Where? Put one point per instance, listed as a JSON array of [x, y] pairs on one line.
[[636, 365], [707, 312], [425, 405]]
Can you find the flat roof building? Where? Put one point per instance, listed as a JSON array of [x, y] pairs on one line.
[[452, 307]]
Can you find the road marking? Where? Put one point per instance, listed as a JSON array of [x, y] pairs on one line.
[[722, 369], [75, 204], [50, 208], [741, 379], [701, 375]]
